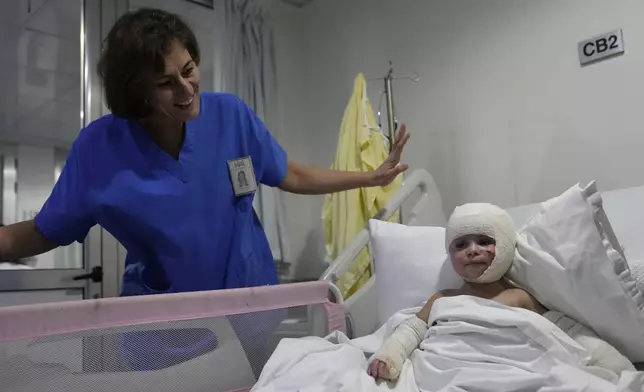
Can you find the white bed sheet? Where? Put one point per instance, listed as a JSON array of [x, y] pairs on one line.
[[476, 345]]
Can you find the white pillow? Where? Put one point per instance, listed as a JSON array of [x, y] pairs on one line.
[[410, 263], [626, 210], [564, 258]]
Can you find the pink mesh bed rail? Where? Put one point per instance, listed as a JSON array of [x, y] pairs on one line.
[[212, 341]]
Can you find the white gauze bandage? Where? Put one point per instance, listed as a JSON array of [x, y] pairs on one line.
[[400, 344], [491, 221]]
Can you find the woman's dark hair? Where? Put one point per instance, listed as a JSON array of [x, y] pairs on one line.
[[134, 51]]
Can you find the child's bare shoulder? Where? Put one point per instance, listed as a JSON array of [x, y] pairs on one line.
[[446, 293], [424, 313], [519, 298]]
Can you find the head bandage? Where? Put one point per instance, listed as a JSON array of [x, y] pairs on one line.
[[488, 220]]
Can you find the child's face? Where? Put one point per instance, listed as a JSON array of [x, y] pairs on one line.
[[472, 254]]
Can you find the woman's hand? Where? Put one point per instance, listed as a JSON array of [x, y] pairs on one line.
[[378, 370], [392, 167], [314, 181]]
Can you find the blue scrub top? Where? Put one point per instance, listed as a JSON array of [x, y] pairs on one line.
[[180, 221]]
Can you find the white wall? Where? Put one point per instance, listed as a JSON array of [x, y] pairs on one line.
[[503, 113], [302, 213]]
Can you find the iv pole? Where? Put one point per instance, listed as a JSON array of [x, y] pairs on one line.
[[389, 99], [392, 124]]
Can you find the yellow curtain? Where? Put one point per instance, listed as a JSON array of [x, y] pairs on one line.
[[361, 147]]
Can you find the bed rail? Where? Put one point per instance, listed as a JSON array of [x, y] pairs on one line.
[[361, 315], [430, 202]]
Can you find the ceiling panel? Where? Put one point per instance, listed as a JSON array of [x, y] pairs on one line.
[[63, 125], [59, 18], [26, 87], [298, 3], [40, 71], [40, 65], [73, 95], [52, 110], [36, 50], [10, 14], [18, 12], [55, 112]]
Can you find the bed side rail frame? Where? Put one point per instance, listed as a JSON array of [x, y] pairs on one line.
[[430, 201]]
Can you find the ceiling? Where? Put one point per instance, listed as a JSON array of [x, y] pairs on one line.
[[40, 97], [40, 71], [298, 3]]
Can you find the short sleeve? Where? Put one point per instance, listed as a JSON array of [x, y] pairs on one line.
[[65, 217], [273, 159]]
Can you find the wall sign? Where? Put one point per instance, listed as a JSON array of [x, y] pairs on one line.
[[600, 47]]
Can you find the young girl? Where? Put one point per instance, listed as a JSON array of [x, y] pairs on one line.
[[481, 241]]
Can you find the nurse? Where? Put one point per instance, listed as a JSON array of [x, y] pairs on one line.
[[171, 173]]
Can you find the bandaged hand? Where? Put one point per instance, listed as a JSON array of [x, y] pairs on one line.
[[387, 362], [602, 354]]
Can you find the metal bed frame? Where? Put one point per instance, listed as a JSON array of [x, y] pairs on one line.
[[361, 310]]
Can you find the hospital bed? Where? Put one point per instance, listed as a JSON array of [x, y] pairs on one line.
[[113, 344], [213, 341], [624, 206]]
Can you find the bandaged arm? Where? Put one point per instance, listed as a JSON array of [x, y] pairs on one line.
[[400, 344], [404, 340]]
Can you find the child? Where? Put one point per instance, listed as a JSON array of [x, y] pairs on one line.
[[481, 241]]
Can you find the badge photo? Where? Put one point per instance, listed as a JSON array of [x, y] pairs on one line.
[[242, 176]]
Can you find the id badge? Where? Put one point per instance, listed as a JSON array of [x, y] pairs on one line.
[[242, 176]]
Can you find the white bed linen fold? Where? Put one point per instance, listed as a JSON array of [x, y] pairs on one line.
[[475, 345]]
